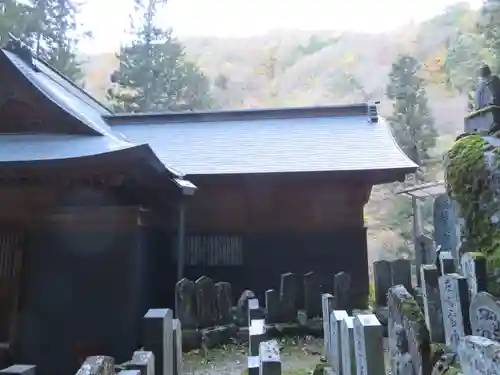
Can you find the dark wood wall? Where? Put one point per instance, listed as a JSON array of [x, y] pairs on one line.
[[250, 230], [274, 204], [87, 272]]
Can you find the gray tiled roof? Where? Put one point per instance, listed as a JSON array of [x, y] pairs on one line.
[[272, 145], [64, 94], [44, 147]]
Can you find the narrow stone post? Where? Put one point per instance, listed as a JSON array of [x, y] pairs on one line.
[[158, 338]]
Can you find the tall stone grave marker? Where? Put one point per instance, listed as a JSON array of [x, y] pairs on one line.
[[256, 334], [455, 304], [342, 291], [474, 269], [446, 221], [479, 356], [401, 273], [312, 294], [348, 352], [382, 280], [409, 342], [185, 303], [336, 318], [425, 253], [443, 218], [223, 302], [327, 304], [205, 302], [242, 307], [485, 316], [290, 293], [432, 302], [369, 346], [177, 346], [159, 338], [272, 300]]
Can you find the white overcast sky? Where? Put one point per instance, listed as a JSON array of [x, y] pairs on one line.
[[108, 19]]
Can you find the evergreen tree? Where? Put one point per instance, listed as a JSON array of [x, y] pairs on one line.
[[154, 73], [411, 122], [464, 55], [489, 26], [53, 34], [14, 18], [413, 127]]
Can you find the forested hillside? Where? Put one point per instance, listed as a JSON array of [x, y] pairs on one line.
[[296, 68]]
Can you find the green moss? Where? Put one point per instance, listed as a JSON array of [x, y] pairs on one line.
[[371, 295], [454, 369], [476, 255], [437, 350], [410, 309], [319, 369], [468, 183]]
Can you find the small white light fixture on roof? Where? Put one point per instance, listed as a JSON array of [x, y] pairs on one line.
[[188, 188], [2, 8]]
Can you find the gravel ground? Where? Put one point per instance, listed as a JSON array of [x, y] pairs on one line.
[[299, 356]]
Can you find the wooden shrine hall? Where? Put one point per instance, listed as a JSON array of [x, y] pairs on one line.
[[99, 215], [74, 243]]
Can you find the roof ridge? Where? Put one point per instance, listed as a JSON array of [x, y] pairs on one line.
[[344, 110]]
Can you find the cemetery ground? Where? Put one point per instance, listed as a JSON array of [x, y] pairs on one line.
[[300, 356]]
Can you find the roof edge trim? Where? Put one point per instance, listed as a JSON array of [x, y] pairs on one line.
[[401, 170], [385, 123], [155, 162], [360, 109]]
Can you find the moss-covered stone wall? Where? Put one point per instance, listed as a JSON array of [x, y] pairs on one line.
[[471, 170]]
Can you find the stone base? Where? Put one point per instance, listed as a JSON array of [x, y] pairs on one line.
[[242, 335], [302, 317], [209, 338], [191, 339], [382, 314], [315, 327], [322, 369], [217, 336]]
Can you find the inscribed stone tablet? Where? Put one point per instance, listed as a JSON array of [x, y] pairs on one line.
[[474, 269], [445, 223], [479, 356], [485, 316], [454, 294]]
